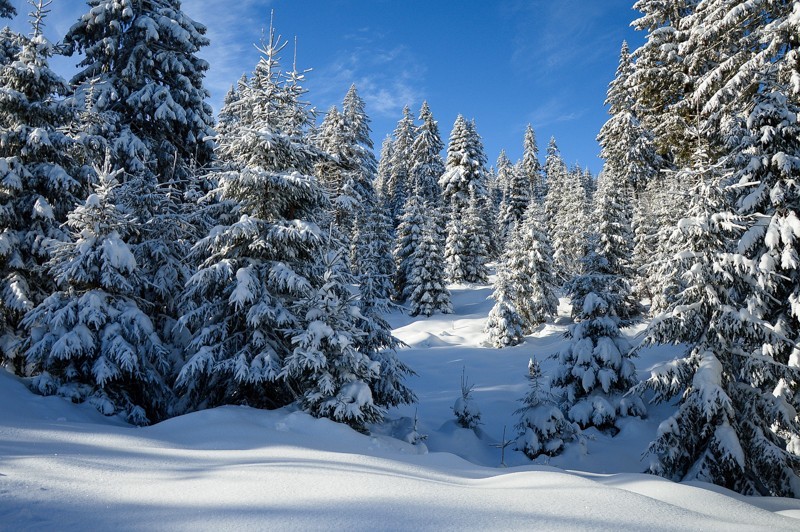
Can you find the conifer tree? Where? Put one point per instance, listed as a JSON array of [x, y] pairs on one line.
[[515, 200], [90, 340], [530, 263], [325, 364], [399, 178], [531, 167], [595, 368], [427, 166], [662, 80], [6, 9], [542, 428], [426, 282], [43, 172], [505, 326], [384, 171], [142, 59], [409, 238]]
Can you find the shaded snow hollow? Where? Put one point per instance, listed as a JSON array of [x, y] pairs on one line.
[[65, 467]]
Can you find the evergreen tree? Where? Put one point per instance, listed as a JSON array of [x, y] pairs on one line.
[[542, 428], [662, 79], [737, 423], [409, 238], [426, 282], [399, 181], [384, 171], [515, 200], [531, 167], [6, 9], [90, 340], [505, 326], [595, 368], [467, 414], [372, 262], [529, 259], [141, 56], [427, 166], [476, 251], [43, 173], [325, 363], [464, 168], [612, 222]]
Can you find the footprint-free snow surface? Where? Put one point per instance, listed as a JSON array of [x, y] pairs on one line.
[[65, 467]]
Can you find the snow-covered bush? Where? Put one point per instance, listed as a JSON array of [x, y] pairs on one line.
[[467, 414], [542, 428]]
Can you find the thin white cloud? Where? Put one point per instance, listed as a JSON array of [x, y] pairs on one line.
[[387, 78], [233, 28]]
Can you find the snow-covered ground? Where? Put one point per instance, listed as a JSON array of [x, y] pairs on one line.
[[66, 467]]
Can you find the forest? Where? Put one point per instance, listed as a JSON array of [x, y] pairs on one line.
[[158, 260]]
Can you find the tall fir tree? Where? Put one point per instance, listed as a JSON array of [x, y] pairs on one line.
[[427, 166], [142, 58], [595, 368], [398, 185], [530, 262], [429, 292], [531, 167], [44, 175], [90, 340], [270, 324]]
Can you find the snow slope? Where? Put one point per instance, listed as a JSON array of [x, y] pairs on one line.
[[66, 467]]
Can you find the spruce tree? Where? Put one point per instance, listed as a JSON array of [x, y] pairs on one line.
[[44, 176], [399, 185], [542, 428], [427, 166], [531, 167], [595, 368], [505, 326], [90, 340], [529, 259], [515, 200], [409, 238], [142, 59], [426, 282]]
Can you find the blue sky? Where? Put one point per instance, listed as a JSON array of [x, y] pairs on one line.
[[505, 63]]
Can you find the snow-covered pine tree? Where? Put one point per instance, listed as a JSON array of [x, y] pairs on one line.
[[6, 9], [464, 191], [737, 423], [476, 247], [384, 171], [239, 304], [542, 428], [662, 80], [91, 340], [730, 429], [374, 290], [399, 180], [141, 56], [427, 166], [505, 326], [464, 168], [515, 200], [612, 222], [43, 172], [595, 368], [426, 282], [371, 260], [530, 263], [408, 240], [570, 222], [333, 377], [627, 147], [531, 167], [467, 414]]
